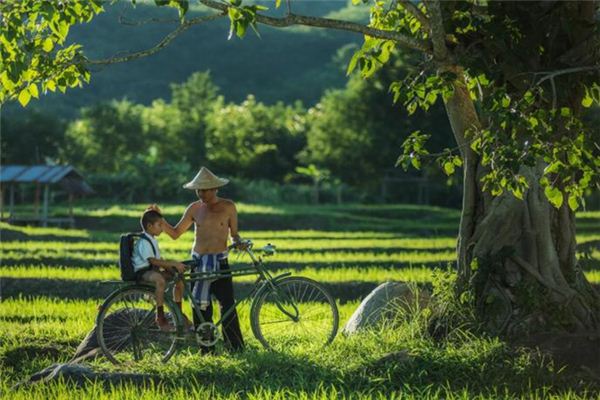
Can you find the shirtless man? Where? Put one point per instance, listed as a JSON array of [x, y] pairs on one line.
[[214, 220]]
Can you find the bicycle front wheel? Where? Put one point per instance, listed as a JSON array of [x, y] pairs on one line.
[[296, 311], [126, 329]]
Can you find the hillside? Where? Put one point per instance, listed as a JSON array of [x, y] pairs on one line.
[[280, 65]]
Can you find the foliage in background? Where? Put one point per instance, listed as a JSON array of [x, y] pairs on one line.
[[357, 132], [253, 140], [106, 137], [34, 138], [129, 151]]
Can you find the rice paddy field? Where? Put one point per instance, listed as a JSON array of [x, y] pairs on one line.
[[51, 283]]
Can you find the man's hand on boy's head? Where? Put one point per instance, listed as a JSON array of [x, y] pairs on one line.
[[154, 207]]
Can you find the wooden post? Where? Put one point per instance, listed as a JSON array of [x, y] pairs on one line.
[[11, 201], [45, 209], [36, 203], [71, 219]]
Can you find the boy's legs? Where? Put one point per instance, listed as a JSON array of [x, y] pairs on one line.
[[177, 297], [156, 278], [178, 292]]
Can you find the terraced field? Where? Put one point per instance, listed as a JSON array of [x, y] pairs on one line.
[[373, 244], [51, 278]]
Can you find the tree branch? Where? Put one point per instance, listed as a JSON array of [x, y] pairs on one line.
[[414, 10], [318, 22], [553, 74], [162, 44], [438, 36]]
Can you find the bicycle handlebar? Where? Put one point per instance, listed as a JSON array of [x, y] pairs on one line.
[[247, 242], [269, 250]]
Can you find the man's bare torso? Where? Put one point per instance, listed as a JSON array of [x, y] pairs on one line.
[[211, 224]]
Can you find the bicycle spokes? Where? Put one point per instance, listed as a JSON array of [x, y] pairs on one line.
[[127, 329], [298, 311]]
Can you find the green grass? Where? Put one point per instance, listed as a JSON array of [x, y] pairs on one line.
[[465, 367], [345, 247], [342, 274]]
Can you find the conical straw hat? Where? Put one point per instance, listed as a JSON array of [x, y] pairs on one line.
[[205, 180]]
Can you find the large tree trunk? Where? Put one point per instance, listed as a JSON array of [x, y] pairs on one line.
[[518, 257]]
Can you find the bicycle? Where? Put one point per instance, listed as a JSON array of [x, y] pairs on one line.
[[285, 310]]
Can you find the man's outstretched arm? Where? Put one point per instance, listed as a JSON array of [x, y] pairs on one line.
[[182, 226]]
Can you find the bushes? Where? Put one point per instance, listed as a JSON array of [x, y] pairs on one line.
[[268, 192], [164, 183], [141, 182]]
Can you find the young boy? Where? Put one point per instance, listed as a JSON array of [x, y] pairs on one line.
[[149, 267]]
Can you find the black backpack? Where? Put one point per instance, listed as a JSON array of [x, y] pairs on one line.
[[126, 253]]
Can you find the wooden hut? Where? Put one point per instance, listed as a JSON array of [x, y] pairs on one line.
[[43, 178]]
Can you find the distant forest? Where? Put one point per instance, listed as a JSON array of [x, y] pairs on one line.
[[280, 65], [277, 112]]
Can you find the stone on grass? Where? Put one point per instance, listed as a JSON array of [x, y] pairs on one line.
[[389, 301]]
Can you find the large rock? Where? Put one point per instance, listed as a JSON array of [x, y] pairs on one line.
[[388, 301]]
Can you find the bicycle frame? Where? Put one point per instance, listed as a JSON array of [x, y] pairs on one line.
[[257, 268]]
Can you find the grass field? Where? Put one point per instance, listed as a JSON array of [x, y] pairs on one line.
[[50, 288]]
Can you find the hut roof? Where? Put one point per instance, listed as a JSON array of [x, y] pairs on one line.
[[64, 175]]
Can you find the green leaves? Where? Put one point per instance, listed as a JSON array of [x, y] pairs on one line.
[[554, 196], [48, 45], [373, 55], [450, 163], [33, 90], [421, 91], [587, 101], [24, 97], [592, 95], [32, 50], [413, 150], [240, 17], [182, 6]]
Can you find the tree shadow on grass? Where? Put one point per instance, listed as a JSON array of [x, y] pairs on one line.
[[255, 370], [508, 372], [82, 290], [497, 373]]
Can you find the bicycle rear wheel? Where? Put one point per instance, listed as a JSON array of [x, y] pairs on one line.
[[298, 311], [126, 330]]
